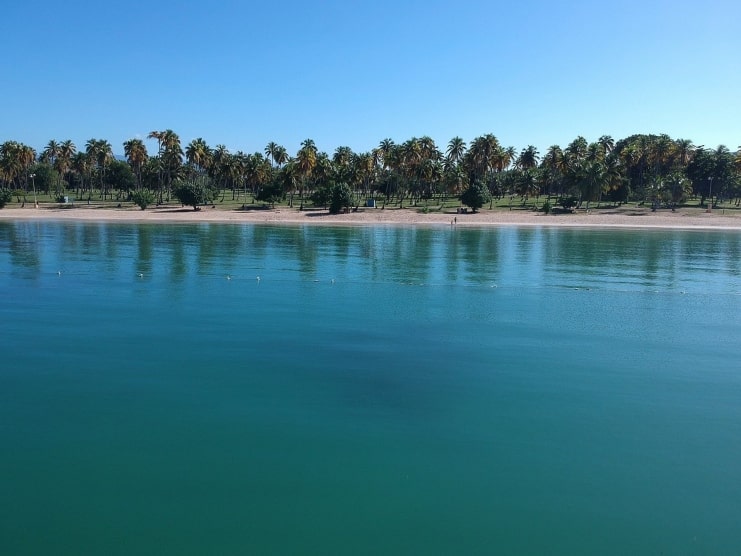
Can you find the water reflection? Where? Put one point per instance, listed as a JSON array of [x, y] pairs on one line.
[[503, 257], [22, 249]]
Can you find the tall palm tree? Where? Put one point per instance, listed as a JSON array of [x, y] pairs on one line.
[[607, 143], [528, 158], [15, 161], [280, 156], [160, 174], [67, 150], [81, 167], [305, 163], [50, 152], [484, 156], [270, 150], [341, 160], [384, 148], [577, 150], [172, 157], [455, 151], [505, 158], [198, 154], [136, 155], [100, 152]]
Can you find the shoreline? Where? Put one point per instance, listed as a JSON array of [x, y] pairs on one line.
[[623, 217]]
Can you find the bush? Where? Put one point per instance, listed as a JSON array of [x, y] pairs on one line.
[[194, 194], [567, 203], [547, 207], [142, 198], [321, 196], [270, 193], [340, 197], [5, 197], [476, 196]]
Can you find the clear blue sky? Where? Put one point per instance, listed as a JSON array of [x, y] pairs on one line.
[[352, 73]]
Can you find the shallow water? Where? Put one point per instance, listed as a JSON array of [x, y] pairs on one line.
[[376, 390]]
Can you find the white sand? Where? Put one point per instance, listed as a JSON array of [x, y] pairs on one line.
[[625, 217]]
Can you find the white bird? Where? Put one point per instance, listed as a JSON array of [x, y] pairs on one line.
[[258, 278], [140, 275], [59, 272], [228, 277]]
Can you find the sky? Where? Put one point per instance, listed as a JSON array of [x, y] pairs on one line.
[[346, 73]]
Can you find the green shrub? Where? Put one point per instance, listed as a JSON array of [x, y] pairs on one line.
[[476, 196], [567, 203], [340, 197], [142, 198], [5, 197], [194, 194]]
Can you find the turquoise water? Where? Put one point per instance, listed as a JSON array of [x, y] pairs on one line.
[[376, 391]]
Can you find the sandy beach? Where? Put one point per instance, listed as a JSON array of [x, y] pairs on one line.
[[623, 217]]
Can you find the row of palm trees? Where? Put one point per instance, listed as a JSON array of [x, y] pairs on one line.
[[641, 167]]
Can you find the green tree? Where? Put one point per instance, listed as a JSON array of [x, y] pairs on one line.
[[5, 197], [340, 198], [45, 177], [305, 164], [136, 155], [142, 198], [50, 152], [100, 153], [63, 162], [476, 195], [193, 194], [120, 176]]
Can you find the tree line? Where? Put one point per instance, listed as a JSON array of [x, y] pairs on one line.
[[649, 168]]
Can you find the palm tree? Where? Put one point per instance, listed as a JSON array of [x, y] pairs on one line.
[[364, 169], [505, 158], [484, 156], [528, 158], [67, 150], [305, 163], [10, 161], [80, 166], [258, 171], [50, 152], [456, 149], [280, 156], [198, 154], [607, 143], [270, 150], [684, 150], [551, 166], [100, 153], [341, 159], [384, 148], [276, 153], [172, 157], [577, 149], [593, 180], [160, 174], [136, 155]]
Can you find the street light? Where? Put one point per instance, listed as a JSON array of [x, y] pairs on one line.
[[33, 182], [710, 204]]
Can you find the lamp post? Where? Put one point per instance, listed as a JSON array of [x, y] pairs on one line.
[[710, 195], [33, 182]]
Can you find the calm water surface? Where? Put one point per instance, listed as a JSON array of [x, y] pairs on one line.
[[376, 391]]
